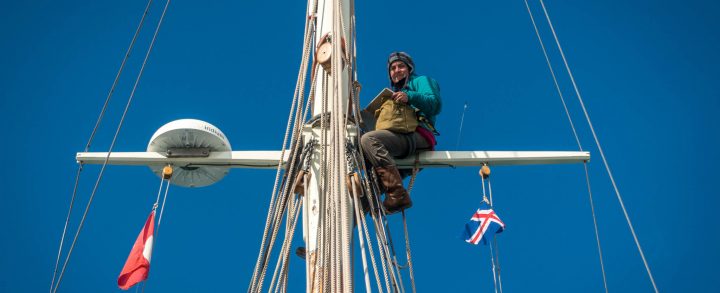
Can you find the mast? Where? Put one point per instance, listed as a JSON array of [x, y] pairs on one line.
[[327, 208]]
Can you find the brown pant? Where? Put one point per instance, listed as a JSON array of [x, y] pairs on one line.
[[381, 147]]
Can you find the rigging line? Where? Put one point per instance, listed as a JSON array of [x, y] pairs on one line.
[[602, 154], [409, 254], [303, 65], [496, 253], [372, 253], [462, 119], [381, 235], [94, 131], [492, 260], [361, 238], [292, 217], [482, 181], [112, 144], [67, 220], [283, 198], [597, 234], [371, 202], [340, 147], [117, 76], [490, 190], [162, 207], [371, 191], [552, 72], [363, 225], [497, 260], [492, 255], [281, 264], [157, 200], [292, 168]]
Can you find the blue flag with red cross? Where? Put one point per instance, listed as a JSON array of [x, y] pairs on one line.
[[483, 225]]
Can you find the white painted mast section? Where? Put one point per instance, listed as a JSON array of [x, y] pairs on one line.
[[328, 162]]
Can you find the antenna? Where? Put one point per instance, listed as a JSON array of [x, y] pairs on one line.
[[462, 119]]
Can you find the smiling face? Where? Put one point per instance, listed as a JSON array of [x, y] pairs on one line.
[[398, 71]]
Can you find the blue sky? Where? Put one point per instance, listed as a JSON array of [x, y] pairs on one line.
[[647, 71]]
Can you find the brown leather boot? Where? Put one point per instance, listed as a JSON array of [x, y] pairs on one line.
[[396, 197]]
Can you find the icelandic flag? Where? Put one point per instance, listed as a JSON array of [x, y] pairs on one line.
[[483, 225], [137, 265]]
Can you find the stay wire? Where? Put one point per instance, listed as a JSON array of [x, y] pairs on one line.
[[552, 72], [592, 206], [112, 144], [94, 131], [597, 234], [602, 154]]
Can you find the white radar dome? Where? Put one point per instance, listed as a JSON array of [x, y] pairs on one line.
[[191, 138]]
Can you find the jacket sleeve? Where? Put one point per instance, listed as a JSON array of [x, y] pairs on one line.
[[425, 95]]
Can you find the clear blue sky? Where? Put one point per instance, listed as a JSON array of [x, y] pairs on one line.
[[647, 70]]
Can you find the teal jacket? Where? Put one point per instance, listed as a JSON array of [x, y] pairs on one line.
[[424, 94]]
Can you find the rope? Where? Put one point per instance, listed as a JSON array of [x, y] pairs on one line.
[[602, 154], [485, 199], [497, 261], [162, 207], [359, 161], [407, 234], [276, 209], [157, 200], [92, 136], [392, 258], [112, 144], [494, 251], [597, 234], [409, 255], [360, 233], [492, 260], [281, 266], [261, 265], [494, 257]]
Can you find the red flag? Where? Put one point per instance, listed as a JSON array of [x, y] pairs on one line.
[[138, 263]]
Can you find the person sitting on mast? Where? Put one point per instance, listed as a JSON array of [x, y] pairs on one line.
[[381, 147]]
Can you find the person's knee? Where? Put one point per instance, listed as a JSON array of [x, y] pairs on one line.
[[366, 141]]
